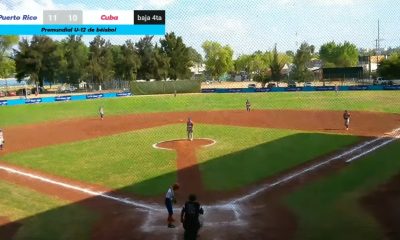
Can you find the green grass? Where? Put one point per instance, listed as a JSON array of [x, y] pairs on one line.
[[130, 162], [330, 209], [43, 217], [281, 151], [379, 101]]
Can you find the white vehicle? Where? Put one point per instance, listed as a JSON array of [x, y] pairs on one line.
[[381, 81]]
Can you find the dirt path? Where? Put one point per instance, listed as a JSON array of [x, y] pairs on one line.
[[22, 138], [189, 176]]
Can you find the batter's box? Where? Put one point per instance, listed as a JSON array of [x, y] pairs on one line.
[[214, 216]]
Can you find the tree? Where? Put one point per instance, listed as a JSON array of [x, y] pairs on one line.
[[7, 64], [276, 64], [339, 55], [161, 65], [218, 58], [75, 59], [178, 54], [126, 61], [100, 60], [389, 68], [39, 59], [301, 60], [145, 50], [195, 57]]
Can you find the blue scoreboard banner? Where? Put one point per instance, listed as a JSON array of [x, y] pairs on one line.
[[90, 22]]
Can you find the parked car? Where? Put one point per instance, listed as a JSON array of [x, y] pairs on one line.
[[21, 92], [381, 81], [2, 94], [292, 84], [307, 84], [12, 93], [271, 85], [251, 85]]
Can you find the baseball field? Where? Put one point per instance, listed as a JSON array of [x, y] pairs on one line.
[[288, 169]]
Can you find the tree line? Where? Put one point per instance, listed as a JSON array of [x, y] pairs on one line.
[[43, 59]]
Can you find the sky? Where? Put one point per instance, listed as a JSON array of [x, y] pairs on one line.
[[251, 25]]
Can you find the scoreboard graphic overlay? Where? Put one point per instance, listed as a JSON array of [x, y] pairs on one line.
[[87, 22]]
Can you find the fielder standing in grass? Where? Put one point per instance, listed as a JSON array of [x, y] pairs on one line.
[[101, 112], [170, 200], [1, 139], [189, 129], [346, 117]]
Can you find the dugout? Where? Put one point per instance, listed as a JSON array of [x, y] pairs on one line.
[[342, 73]]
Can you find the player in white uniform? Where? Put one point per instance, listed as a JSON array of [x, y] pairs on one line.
[[169, 201], [1, 139], [101, 112]]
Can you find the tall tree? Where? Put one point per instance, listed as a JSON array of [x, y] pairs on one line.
[[178, 54], [100, 60], [75, 59], [195, 57], [218, 58], [339, 55], [126, 61], [161, 65], [301, 60], [145, 50], [7, 64], [39, 59], [276, 64], [389, 68]]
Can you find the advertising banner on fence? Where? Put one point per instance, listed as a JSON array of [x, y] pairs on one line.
[[3, 102], [208, 90], [263, 89], [325, 88], [33, 100], [294, 89], [62, 98], [357, 88], [397, 87], [94, 96], [124, 94]]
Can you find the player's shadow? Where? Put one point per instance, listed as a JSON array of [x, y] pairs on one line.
[[103, 218]]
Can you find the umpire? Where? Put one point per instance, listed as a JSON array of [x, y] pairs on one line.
[[190, 218]]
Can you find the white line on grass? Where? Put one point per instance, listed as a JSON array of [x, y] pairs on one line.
[[76, 188], [394, 133], [155, 145]]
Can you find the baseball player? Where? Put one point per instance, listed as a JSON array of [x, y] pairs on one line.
[[190, 218], [189, 129], [101, 112], [169, 201], [346, 117], [248, 105], [1, 139]]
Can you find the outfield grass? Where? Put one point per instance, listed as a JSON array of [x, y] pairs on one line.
[[378, 101], [330, 209], [130, 162], [43, 217]]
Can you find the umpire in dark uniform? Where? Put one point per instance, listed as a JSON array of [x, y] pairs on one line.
[[190, 217]]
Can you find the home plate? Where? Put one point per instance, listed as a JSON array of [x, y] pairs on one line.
[[214, 216]]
